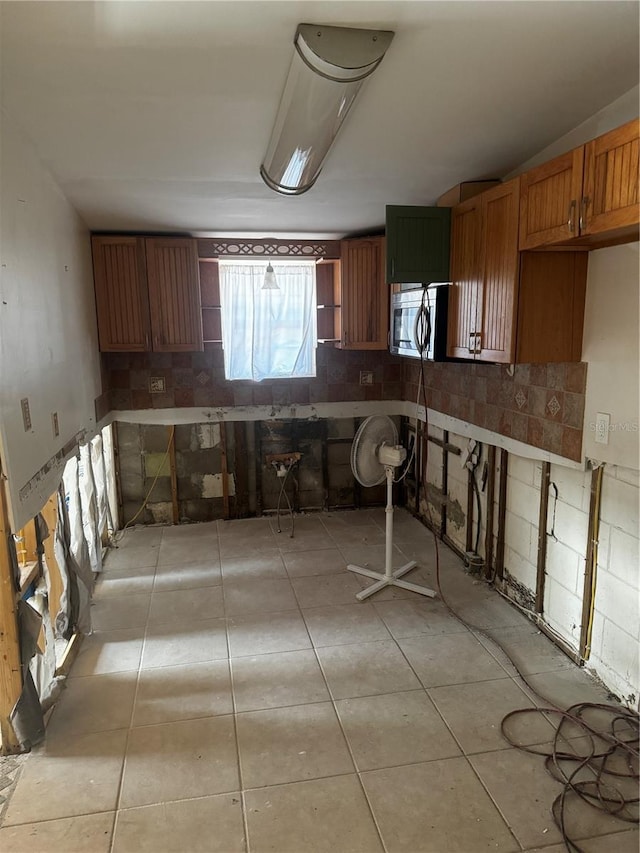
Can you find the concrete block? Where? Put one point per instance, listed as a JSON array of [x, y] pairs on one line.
[[563, 611], [157, 464], [521, 536], [205, 509], [565, 566], [624, 557], [128, 435], [198, 462], [340, 428], [338, 454], [154, 438], [627, 475], [572, 527], [574, 487], [162, 513], [522, 570], [522, 469], [618, 602], [206, 435], [618, 661], [620, 503], [212, 486], [522, 499], [161, 490]]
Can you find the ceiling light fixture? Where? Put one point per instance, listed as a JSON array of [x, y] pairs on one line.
[[327, 71], [270, 280]]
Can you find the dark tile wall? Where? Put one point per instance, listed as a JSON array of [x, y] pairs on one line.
[[541, 404], [197, 379]]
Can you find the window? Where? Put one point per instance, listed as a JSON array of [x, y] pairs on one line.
[[268, 334]]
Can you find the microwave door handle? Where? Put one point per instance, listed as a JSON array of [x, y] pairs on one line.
[[427, 330], [422, 329], [417, 330]]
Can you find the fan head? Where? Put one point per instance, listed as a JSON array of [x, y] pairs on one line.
[[373, 433]]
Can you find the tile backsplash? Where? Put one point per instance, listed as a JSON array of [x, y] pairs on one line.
[[539, 404]]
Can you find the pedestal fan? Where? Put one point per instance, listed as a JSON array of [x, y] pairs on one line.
[[375, 453]]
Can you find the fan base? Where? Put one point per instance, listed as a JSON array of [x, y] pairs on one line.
[[392, 579]]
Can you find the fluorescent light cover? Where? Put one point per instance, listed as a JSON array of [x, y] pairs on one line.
[[327, 71]]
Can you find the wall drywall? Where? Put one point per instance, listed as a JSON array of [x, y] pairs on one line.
[[48, 340], [610, 346], [618, 112]]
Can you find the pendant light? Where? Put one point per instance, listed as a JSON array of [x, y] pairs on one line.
[[270, 280]]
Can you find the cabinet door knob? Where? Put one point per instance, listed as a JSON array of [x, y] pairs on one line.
[[571, 222]]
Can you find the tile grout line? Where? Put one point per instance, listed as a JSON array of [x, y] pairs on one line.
[[133, 710], [345, 738]]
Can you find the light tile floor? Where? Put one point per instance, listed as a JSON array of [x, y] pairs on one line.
[[234, 696]]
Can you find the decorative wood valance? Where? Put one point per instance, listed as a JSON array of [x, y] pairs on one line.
[[224, 247]]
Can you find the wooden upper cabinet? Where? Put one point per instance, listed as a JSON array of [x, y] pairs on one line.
[[585, 198], [550, 198], [498, 299], [417, 244], [147, 294], [122, 302], [466, 231], [610, 193], [174, 294], [507, 306], [365, 295]]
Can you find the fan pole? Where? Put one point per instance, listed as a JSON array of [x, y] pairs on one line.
[[389, 578]]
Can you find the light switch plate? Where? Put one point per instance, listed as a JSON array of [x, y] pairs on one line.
[[603, 420]]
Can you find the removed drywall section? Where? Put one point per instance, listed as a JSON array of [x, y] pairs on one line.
[[48, 341], [615, 640]]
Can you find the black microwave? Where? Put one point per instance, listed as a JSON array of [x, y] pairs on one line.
[[419, 322]]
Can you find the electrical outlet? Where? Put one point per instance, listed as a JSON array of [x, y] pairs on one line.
[[54, 424], [603, 420], [156, 385], [26, 414], [366, 377]]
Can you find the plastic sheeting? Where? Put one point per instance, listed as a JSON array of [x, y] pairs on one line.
[[89, 508]]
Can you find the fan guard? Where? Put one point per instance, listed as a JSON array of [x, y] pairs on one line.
[[375, 431]]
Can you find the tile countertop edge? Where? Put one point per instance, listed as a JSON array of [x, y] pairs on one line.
[[359, 409]]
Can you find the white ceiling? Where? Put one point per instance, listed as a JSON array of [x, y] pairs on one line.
[[155, 116]]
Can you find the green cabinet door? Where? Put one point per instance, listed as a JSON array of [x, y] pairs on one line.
[[417, 244]]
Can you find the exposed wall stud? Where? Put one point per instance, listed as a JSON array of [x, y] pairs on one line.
[[541, 567], [175, 510], [591, 563], [502, 513], [491, 487]]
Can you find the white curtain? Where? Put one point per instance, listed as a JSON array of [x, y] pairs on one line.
[[268, 334]]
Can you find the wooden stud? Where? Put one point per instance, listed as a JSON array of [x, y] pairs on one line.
[[491, 487], [502, 512], [541, 566], [119, 521], [591, 563], [175, 510], [50, 514], [224, 470], [445, 482], [470, 501], [241, 468], [10, 670]]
